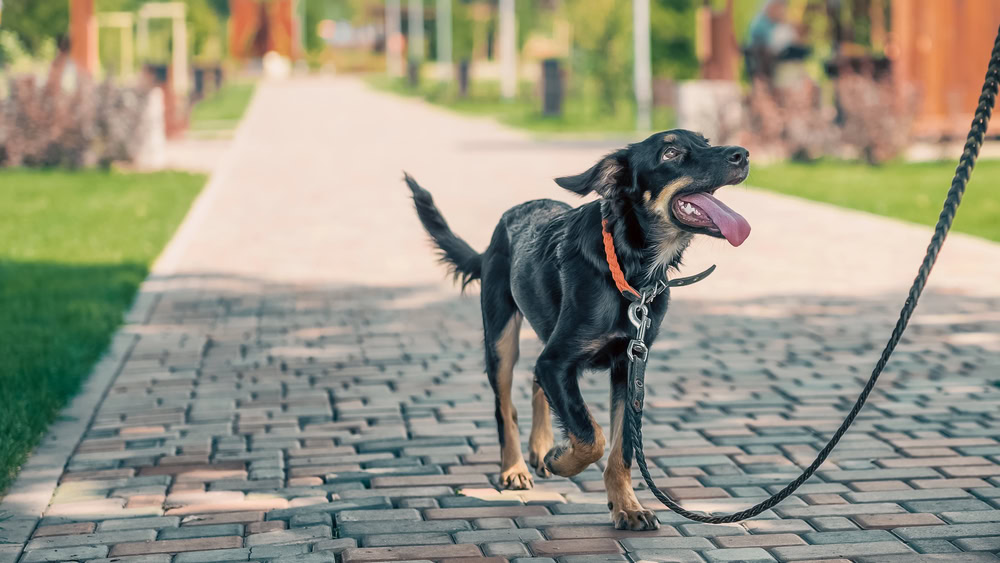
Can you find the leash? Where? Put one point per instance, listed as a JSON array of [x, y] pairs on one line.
[[638, 351]]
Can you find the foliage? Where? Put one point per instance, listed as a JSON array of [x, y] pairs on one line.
[[602, 46], [580, 114], [909, 191], [43, 124], [672, 29], [224, 108], [35, 21], [74, 247]]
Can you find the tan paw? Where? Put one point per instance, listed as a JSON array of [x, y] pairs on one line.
[[639, 519], [537, 460], [517, 477]]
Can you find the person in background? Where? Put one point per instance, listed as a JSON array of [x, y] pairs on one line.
[[772, 40]]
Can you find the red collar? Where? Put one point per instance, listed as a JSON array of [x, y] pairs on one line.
[[616, 271]]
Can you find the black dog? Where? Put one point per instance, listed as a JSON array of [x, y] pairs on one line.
[[548, 262]]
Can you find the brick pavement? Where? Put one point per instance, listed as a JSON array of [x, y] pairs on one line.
[[297, 384]]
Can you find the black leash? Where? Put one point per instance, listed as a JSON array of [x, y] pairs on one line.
[[637, 368]]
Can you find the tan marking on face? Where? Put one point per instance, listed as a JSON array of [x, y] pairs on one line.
[[646, 196], [508, 350], [668, 191], [669, 138]]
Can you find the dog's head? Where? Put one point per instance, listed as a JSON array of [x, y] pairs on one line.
[[673, 175]]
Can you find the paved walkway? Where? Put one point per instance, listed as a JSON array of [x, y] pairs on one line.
[[297, 382]]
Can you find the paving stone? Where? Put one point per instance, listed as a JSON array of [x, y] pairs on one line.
[[153, 558], [212, 556], [484, 536], [493, 523], [672, 555], [988, 543], [435, 552], [375, 515], [933, 546], [77, 552], [593, 558], [845, 550], [889, 521], [389, 540], [99, 538], [505, 549], [851, 536], [485, 512], [201, 531], [760, 540], [558, 548], [358, 529], [607, 531], [292, 535], [64, 529], [947, 532], [744, 555], [176, 546], [635, 544], [712, 530]]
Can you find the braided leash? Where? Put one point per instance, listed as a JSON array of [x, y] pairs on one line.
[[637, 366]]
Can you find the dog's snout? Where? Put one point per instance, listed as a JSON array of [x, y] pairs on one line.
[[738, 156]]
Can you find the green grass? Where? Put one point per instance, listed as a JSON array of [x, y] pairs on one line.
[[581, 113], [222, 110], [909, 191], [74, 247]]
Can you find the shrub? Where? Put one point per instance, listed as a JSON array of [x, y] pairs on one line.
[[49, 124]]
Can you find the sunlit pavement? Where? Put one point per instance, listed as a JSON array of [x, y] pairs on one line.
[[298, 381]]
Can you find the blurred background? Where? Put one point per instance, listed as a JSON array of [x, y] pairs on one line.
[[114, 112]]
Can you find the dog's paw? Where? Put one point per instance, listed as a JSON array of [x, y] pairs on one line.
[[517, 477], [639, 519], [538, 462]]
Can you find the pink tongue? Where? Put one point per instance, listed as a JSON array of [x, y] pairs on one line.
[[733, 226]]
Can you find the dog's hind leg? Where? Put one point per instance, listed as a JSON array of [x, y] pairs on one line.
[[502, 326], [626, 512]]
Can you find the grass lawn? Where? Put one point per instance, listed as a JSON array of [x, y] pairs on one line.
[[581, 114], [74, 247], [909, 191], [222, 110]]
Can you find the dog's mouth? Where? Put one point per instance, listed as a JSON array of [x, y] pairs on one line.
[[702, 211]]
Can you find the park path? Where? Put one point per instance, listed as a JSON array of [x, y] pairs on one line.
[[298, 382]]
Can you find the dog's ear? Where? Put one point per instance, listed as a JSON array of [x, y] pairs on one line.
[[607, 177]]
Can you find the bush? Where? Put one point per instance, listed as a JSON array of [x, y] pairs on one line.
[[49, 125]]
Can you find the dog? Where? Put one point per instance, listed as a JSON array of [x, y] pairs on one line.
[[547, 262]]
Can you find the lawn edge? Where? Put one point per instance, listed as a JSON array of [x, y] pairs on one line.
[[30, 493]]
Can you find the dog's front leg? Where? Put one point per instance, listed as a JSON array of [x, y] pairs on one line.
[[558, 376], [626, 512]]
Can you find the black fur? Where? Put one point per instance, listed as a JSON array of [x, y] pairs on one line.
[[464, 262], [546, 260]]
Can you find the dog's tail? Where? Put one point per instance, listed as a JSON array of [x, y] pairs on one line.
[[465, 263]]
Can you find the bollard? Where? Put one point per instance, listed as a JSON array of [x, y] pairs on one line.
[[552, 88], [413, 73], [463, 78]]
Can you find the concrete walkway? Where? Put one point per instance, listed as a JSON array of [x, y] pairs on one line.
[[297, 382]]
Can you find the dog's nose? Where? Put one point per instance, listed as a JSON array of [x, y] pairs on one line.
[[738, 156]]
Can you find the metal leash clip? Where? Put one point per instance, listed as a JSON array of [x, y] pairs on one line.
[[638, 316]]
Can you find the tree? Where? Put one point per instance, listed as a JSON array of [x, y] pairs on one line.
[[36, 21], [602, 44]]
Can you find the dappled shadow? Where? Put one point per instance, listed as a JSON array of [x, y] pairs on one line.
[[245, 396]]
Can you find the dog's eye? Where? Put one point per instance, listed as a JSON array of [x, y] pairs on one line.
[[671, 154]]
